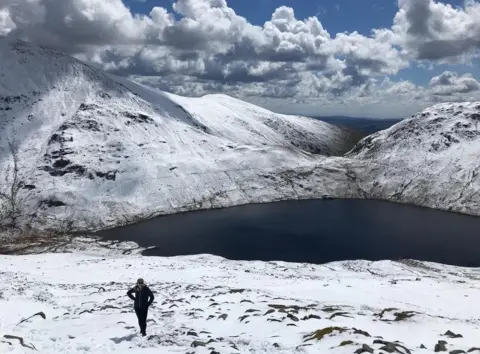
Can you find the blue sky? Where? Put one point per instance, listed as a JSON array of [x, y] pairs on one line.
[[422, 77], [424, 52], [337, 16]]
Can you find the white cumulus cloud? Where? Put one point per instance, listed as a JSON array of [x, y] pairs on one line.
[[203, 46]]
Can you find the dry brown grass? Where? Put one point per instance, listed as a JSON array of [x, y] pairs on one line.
[[20, 242]]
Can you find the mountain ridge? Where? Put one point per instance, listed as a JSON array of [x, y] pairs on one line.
[[94, 151]]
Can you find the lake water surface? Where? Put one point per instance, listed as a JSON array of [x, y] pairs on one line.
[[313, 231]]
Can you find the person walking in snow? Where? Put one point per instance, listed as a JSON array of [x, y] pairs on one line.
[[141, 302]]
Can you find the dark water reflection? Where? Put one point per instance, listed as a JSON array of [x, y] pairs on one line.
[[313, 231]]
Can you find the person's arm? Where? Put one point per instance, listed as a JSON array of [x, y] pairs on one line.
[[130, 292], [150, 295]]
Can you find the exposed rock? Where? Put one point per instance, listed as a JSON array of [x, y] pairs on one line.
[[198, 343], [402, 316], [21, 340], [330, 309], [363, 333], [293, 318], [440, 346], [51, 203], [236, 291], [384, 311], [241, 318], [287, 307], [387, 346], [249, 301], [364, 349], [319, 334], [450, 334], [40, 314], [269, 312], [342, 314]]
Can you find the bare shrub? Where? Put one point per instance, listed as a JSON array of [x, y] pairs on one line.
[[9, 192]]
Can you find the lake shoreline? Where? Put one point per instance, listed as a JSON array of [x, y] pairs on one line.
[[325, 198], [291, 230]]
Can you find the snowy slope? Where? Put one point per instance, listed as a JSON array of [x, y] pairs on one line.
[[430, 159], [225, 116], [96, 151], [207, 304]]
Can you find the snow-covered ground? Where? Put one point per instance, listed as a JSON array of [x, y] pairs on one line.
[[206, 304], [97, 151]]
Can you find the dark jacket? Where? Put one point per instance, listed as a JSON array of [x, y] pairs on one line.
[[143, 298]]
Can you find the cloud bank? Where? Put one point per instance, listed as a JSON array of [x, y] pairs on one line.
[[203, 46]]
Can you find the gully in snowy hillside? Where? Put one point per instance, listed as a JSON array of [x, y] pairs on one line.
[[142, 300]]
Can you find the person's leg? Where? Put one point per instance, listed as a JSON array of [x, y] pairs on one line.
[[138, 312], [143, 324], [145, 320]]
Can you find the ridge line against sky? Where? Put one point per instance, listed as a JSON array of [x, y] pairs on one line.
[[346, 57]]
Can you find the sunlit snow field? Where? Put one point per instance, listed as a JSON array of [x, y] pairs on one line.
[[206, 304]]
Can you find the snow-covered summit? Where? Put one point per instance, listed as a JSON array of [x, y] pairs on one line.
[[449, 130], [96, 150], [430, 159]]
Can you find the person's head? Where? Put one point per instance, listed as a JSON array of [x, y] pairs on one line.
[[140, 283]]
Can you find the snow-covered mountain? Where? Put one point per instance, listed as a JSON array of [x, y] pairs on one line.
[[430, 159], [207, 305], [96, 150]]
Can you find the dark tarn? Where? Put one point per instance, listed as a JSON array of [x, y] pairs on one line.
[[312, 231]]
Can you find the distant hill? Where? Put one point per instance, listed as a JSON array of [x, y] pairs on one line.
[[365, 125]]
